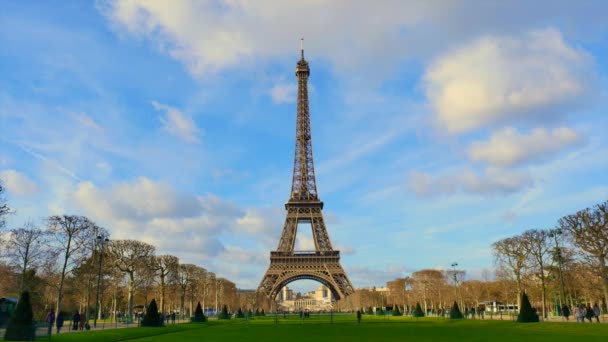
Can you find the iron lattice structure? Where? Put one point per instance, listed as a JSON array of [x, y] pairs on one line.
[[304, 206]]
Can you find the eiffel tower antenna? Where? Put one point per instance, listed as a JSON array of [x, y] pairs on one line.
[[304, 206]]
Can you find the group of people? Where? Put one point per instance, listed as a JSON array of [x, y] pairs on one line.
[[582, 312], [79, 321]]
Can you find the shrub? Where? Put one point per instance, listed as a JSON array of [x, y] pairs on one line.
[[396, 311], [526, 313], [370, 311], [455, 312], [152, 318], [224, 314], [418, 311], [257, 312], [240, 314], [199, 316], [262, 313], [21, 324]]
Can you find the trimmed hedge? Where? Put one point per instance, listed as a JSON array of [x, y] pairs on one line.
[[455, 312], [526, 313], [199, 316], [152, 318], [418, 311], [21, 325]]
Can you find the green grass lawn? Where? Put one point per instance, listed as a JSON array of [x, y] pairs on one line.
[[344, 328]]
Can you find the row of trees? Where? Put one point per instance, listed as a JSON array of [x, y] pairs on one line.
[[563, 265], [63, 263], [572, 256]]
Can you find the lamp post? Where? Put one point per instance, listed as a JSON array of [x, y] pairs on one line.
[[454, 264], [558, 252], [101, 241]]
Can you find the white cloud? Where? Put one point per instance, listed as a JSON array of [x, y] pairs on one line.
[[493, 181], [209, 36], [283, 93], [155, 212], [508, 147], [498, 79], [198, 229], [17, 183], [178, 123], [86, 121]]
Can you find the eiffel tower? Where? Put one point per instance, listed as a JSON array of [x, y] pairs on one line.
[[304, 206]]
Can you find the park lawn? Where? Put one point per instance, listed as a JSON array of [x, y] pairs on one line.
[[345, 329], [123, 334]]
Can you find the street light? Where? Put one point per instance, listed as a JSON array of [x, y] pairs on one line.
[[454, 264], [554, 233], [101, 241]]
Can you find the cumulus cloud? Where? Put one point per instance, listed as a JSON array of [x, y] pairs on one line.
[[17, 183], [177, 123], [283, 93], [196, 228], [508, 147], [209, 36], [179, 223], [492, 181], [501, 79]]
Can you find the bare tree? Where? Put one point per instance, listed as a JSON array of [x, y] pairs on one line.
[[538, 247], [512, 254], [4, 209], [589, 231], [166, 268], [184, 278], [72, 234], [27, 248], [131, 257], [428, 284], [196, 273], [205, 285]]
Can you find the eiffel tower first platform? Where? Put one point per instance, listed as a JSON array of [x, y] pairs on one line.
[[304, 206]]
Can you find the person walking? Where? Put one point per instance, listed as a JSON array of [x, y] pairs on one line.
[[589, 313], [358, 316], [83, 320], [60, 320], [566, 312], [579, 313], [50, 320], [596, 312], [75, 321]]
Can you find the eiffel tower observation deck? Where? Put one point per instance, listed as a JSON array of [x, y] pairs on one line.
[[304, 206]]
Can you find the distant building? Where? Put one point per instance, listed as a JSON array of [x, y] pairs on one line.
[[320, 299]]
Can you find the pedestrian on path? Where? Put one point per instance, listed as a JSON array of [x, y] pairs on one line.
[[580, 314], [358, 317], [566, 312], [60, 320], [50, 320], [596, 312], [75, 321], [589, 313], [83, 320]]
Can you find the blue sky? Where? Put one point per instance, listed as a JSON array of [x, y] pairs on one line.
[[438, 128]]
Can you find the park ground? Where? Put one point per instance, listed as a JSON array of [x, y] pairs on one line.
[[345, 328]]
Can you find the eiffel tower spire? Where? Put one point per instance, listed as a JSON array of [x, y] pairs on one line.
[[304, 185], [304, 206]]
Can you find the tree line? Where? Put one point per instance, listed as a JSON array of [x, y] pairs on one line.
[[64, 259], [564, 265]]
